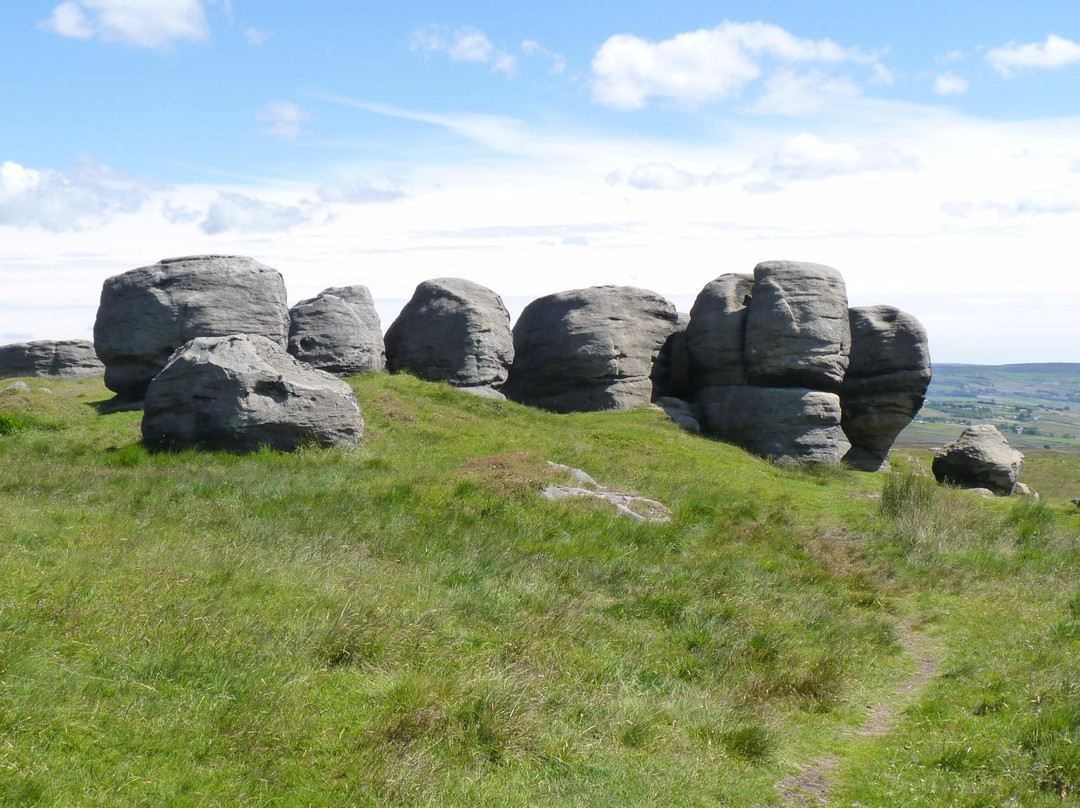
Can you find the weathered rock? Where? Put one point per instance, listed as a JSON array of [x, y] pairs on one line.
[[680, 411], [338, 331], [18, 387], [792, 423], [717, 330], [979, 458], [797, 331], [886, 382], [70, 358], [452, 330], [242, 392], [147, 313], [1025, 490], [671, 369], [589, 349]]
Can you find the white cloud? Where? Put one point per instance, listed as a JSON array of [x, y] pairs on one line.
[[950, 84], [790, 93], [89, 195], [702, 65], [807, 157], [533, 48], [358, 192], [235, 211], [284, 118], [255, 37], [1055, 52], [1065, 199], [466, 44], [134, 22], [661, 176]]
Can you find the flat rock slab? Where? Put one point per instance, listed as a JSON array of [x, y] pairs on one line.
[[589, 349], [631, 505], [147, 313], [72, 358], [243, 392]]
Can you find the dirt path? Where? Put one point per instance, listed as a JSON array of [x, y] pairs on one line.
[[809, 786]]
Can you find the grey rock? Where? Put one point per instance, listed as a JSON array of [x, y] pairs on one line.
[[338, 331], [797, 331], [886, 382], [979, 458], [1025, 490], [19, 387], [147, 313], [671, 374], [717, 330], [452, 330], [680, 411], [242, 392], [589, 349], [985, 493], [71, 358], [783, 423]]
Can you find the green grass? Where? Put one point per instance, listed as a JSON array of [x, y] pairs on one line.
[[410, 623]]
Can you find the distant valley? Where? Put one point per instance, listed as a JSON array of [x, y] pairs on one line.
[[1036, 406]]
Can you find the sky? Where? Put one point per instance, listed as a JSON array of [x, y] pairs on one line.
[[928, 151]]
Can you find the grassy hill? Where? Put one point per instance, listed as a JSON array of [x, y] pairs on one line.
[[411, 624], [1037, 406]]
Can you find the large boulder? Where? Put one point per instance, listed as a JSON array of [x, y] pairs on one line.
[[717, 329], [242, 392], [979, 458], [797, 331], [72, 358], [453, 330], [886, 382], [589, 349], [783, 423], [338, 331], [147, 313]]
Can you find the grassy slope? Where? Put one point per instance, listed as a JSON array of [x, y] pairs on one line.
[[411, 624]]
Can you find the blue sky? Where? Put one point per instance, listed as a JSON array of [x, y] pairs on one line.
[[929, 151]]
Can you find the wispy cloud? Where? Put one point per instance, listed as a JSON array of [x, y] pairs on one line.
[[1055, 52], [808, 157], [238, 212], [950, 84], [466, 44], [87, 196], [255, 37], [530, 47], [145, 25], [283, 118], [358, 192]]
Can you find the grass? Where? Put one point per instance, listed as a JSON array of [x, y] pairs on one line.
[[411, 624]]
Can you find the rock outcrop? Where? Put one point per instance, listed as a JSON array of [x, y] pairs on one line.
[[455, 331], [885, 384], [797, 331], [979, 458], [782, 423], [671, 373], [242, 392], [589, 349], [716, 333], [72, 358], [147, 313], [338, 331]]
